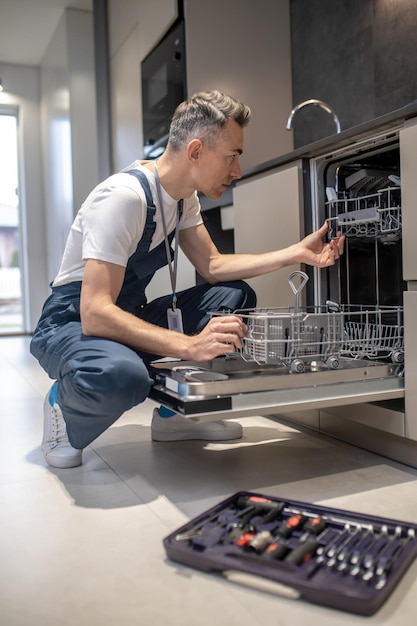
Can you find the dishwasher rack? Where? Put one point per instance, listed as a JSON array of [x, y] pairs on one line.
[[322, 333], [373, 332], [373, 215]]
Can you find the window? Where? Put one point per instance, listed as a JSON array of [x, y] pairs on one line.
[[11, 305]]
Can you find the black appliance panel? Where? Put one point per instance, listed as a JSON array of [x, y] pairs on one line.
[[163, 88]]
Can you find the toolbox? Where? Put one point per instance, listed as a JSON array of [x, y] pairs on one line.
[[327, 556]]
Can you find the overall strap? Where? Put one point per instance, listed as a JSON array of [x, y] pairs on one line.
[[144, 262], [150, 225]]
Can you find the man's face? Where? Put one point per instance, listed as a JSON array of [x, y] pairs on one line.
[[219, 166]]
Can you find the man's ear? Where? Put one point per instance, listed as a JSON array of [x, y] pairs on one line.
[[194, 150]]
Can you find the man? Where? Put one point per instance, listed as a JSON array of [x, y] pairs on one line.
[[97, 334]]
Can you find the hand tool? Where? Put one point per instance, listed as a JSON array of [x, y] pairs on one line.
[[277, 549], [302, 553], [260, 541], [262, 505], [384, 563], [293, 523], [344, 539], [244, 540], [265, 503], [198, 528], [252, 506], [315, 525], [371, 555], [346, 550], [357, 553]]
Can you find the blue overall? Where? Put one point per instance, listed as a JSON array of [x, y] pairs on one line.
[[100, 379]]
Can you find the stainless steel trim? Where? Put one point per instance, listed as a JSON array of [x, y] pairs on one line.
[[250, 389]]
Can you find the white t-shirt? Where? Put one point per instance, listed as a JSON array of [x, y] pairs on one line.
[[110, 223]]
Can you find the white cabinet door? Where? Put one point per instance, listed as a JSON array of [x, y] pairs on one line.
[[408, 155], [268, 213], [410, 361]]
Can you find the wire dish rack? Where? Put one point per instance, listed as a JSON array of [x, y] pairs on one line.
[[374, 215], [324, 333]]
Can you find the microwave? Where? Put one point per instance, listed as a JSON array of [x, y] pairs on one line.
[[163, 75]]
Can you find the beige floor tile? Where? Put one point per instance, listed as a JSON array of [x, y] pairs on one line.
[[84, 547]]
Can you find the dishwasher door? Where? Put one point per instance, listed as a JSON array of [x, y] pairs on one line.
[[232, 387]]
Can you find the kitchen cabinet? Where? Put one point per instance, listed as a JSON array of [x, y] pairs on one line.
[[268, 213], [408, 153], [410, 340]]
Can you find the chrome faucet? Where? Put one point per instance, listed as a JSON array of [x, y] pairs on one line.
[[319, 103]]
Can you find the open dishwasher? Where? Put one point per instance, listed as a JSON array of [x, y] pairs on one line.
[[349, 350], [293, 357]]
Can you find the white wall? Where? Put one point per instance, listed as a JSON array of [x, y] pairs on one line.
[[135, 26], [69, 127], [22, 93]]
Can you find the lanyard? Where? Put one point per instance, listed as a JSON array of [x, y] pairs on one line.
[[172, 266]]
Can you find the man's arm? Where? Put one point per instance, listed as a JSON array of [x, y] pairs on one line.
[[215, 267], [101, 317]]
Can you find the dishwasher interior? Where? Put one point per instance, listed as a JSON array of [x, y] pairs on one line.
[[344, 343], [362, 199]]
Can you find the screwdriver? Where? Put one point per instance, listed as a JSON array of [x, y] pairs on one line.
[[302, 553], [293, 523], [197, 529], [315, 525], [277, 549], [239, 529], [273, 508], [263, 503]]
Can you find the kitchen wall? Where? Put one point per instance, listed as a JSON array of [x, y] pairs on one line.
[[69, 127], [357, 55], [135, 26], [242, 47]]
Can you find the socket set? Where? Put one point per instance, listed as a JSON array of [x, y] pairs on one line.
[[327, 556]]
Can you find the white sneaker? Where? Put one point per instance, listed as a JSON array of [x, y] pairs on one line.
[[56, 448], [178, 428]]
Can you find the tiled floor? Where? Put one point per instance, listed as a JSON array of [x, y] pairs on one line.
[[84, 546]]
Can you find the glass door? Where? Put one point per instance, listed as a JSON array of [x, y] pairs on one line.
[[11, 301]]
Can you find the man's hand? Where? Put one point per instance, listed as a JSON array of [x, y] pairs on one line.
[[313, 251], [222, 335]]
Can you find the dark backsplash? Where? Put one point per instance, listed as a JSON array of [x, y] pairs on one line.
[[358, 56]]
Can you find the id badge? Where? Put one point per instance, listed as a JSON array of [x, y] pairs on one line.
[[175, 320]]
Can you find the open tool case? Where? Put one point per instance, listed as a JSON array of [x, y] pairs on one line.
[[327, 556]]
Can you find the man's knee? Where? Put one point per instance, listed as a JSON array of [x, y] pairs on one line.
[[127, 381], [116, 383], [248, 296], [237, 295]]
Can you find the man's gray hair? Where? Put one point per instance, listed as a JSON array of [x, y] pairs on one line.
[[204, 116]]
